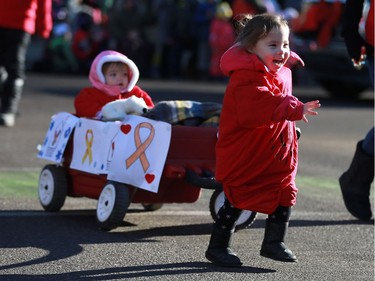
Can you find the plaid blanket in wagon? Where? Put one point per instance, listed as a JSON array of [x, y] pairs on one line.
[[186, 112]]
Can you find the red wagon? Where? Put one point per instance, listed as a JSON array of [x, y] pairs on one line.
[[189, 167]]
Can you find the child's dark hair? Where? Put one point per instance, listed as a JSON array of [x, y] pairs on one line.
[[251, 28], [107, 64]]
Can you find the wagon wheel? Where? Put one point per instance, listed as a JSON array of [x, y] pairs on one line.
[[52, 187], [112, 205], [216, 202], [152, 207]]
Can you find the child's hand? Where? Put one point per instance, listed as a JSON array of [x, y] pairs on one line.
[[308, 109]]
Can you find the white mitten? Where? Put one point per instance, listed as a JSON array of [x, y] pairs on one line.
[[118, 109], [114, 111], [135, 105]]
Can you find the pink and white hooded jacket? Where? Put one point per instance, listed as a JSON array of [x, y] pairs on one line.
[[257, 150], [90, 100]]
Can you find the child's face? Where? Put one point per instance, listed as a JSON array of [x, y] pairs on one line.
[[117, 75], [273, 50]]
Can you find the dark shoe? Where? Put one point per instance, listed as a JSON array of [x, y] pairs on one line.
[[219, 251], [223, 257], [278, 251], [355, 184], [7, 119], [357, 205], [273, 245]]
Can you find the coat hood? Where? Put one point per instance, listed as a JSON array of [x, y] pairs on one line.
[[237, 58], [96, 75]]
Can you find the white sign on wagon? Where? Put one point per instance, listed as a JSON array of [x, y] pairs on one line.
[[93, 145], [57, 136], [141, 148]]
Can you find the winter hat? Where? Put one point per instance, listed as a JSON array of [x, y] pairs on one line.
[[97, 78]]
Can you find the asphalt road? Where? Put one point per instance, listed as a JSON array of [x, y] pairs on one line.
[[169, 244]]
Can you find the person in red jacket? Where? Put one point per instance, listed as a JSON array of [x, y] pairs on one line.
[[113, 77], [18, 21], [222, 36], [257, 150]]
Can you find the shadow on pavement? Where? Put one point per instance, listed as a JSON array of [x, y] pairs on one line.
[[138, 271], [62, 234]]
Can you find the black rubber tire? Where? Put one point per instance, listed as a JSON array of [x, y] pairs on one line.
[[113, 203], [52, 187], [246, 218], [152, 207]]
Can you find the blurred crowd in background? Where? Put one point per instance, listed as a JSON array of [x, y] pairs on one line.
[[171, 39]]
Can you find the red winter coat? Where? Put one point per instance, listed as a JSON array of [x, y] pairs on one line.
[[369, 25], [83, 47], [257, 151], [31, 16], [222, 36], [321, 18]]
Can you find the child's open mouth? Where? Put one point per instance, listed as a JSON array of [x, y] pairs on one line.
[[279, 62]]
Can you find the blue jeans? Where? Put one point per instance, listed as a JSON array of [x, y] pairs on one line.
[[368, 142], [370, 66]]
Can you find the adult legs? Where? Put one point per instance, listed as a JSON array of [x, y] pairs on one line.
[[13, 49], [355, 183]]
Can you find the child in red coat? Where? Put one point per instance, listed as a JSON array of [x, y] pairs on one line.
[[113, 77], [257, 150]]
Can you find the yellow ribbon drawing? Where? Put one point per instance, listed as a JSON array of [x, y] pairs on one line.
[[89, 140], [141, 147]]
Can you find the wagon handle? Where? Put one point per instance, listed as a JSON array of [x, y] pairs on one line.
[[201, 181]]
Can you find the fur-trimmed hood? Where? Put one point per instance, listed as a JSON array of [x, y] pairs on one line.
[[237, 58], [96, 75]]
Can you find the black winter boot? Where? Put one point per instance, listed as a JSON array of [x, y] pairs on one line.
[[355, 184], [219, 251], [273, 245]]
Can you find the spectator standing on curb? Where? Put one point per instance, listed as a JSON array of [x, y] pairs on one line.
[[203, 15], [221, 37], [355, 183], [18, 21], [88, 35]]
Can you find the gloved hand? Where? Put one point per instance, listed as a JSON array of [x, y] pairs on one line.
[[118, 109]]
